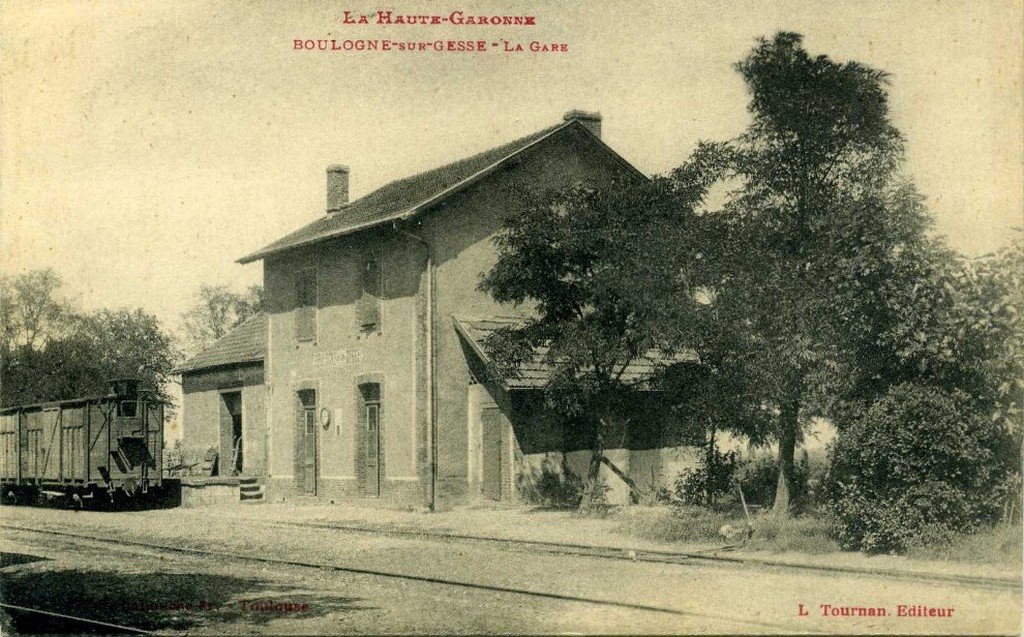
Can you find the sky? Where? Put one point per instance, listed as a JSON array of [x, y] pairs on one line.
[[147, 145]]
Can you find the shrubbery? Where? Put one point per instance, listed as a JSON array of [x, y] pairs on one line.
[[552, 485], [918, 468], [594, 497], [757, 476], [702, 486]]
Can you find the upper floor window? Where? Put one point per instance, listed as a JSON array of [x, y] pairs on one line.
[[368, 306], [305, 305]]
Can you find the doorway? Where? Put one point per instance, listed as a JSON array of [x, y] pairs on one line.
[[305, 449], [231, 415], [491, 456], [369, 425]]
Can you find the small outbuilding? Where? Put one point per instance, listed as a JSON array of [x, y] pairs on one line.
[[224, 406]]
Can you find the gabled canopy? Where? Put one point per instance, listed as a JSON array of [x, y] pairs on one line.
[[535, 373]]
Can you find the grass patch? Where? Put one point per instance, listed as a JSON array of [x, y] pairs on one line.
[[676, 524], [807, 534], [1001, 544], [804, 534], [697, 525]]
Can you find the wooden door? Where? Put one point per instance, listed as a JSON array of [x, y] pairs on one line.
[[34, 454], [491, 456], [372, 418], [307, 443], [49, 467], [72, 448]]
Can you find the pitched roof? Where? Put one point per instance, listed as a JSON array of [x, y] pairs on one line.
[[535, 373], [404, 198], [247, 343]]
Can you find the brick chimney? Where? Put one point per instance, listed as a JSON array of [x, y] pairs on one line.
[[591, 120], [337, 187]]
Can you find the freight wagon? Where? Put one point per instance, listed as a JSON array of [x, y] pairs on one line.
[[86, 451]]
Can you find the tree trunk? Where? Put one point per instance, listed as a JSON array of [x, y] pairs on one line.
[[636, 494], [709, 497], [788, 422], [597, 452]]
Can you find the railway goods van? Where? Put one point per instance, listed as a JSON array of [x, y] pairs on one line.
[[86, 451]]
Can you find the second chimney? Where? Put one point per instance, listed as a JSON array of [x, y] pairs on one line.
[[591, 120], [337, 187]]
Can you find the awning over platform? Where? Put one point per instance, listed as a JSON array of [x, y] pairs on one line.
[[535, 373]]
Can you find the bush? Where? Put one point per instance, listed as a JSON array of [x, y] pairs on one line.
[[594, 499], [918, 468], [554, 485], [759, 477], [703, 487]]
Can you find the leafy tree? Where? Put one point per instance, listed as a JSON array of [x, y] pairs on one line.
[[31, 309], [592, 266], [718, 391], [216, 311], [57, 353], [128, 344], [97, 347], [815, 215], [959, 327], [995, 289]]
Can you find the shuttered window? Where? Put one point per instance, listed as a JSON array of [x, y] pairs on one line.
[[368, 306], [305, 305]]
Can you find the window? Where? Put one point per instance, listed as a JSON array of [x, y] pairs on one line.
[[305, 306], [372, 418], [368, 306], [370, 395], [370, 392]]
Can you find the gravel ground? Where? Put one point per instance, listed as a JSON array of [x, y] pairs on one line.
[[566, 527], [701, 599]]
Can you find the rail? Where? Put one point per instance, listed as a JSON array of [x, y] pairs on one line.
[[82, 620], [323, 566]]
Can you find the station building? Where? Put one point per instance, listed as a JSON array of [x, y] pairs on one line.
[[372, 381]]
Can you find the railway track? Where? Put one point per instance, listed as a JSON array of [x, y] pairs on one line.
[[325, 566], [66, 622], [661, 557]]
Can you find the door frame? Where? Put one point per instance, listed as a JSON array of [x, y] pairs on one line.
[[226, 425], [478, 398], [302, 413], [488, 462], [374, 405], [362, 438]]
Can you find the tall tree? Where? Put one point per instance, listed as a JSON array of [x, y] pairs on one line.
[[215, 311], [95, 348], [127, 344], [960, 326], [31, 309], [996, 288], [815, 207], [593, 266]]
